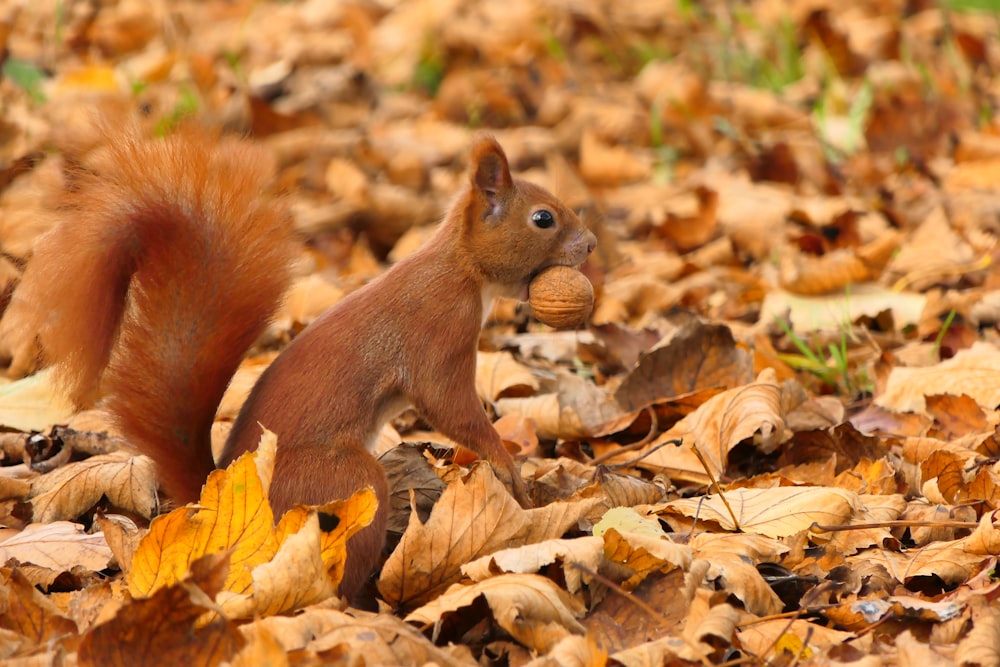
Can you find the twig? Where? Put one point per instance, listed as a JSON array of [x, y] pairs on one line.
[[715, 485], [653, 428], [893, 524]]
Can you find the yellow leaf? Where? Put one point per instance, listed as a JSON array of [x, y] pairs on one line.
[[93, 78], [644, 554], [273, 568], [351, 516], [794, 645]]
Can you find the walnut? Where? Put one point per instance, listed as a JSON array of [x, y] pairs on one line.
[[561, 297]]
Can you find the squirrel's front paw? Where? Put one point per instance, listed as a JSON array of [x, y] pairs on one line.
[[511, 478]]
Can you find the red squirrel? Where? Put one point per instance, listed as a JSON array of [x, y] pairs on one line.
[[168, 263]]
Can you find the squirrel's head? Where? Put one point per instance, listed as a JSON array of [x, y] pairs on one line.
[[514, 229]]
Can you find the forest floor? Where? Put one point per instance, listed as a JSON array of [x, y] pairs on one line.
[[775, 442]]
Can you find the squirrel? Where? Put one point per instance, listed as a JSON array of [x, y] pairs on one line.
[[168, 262]]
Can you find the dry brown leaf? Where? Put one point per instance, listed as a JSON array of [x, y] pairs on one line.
[[605, 165], [261, 648], [837, 271], [554, 346], [982, 645], [622, 490], [531, 558], [869, 477], [498, 375], [755, 548], [579, 409], [60, 545], [33, 403], [126, 481], [984, 486], [382, 639], [972, 372], [935, 518], [239, 388], [946, 471], [777, 512], [347, 182], [934, 252], [873, 509], [166, 628], [707, 625], [718, 425], [305, 300], [956, 415], [912, 651], [535, 611], [573, 651], [698, 356], [29, 616], [751, 214], [660, 651], [473, 518], [951, 562], [520, 432], [122, 536], [831, 273], [635, 297], [732, 566], [755, 108]]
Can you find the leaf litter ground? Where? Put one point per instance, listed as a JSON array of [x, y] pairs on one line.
[[774, 443]]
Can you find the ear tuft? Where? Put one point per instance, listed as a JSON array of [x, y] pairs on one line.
[[489, 169]]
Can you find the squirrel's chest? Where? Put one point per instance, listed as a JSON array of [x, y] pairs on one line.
[[493, 291]]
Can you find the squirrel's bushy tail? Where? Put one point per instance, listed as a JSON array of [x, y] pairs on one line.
[[166, 265]]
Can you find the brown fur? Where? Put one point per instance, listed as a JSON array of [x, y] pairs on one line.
[[169, 265]]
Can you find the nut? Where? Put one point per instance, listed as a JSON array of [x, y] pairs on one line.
[[561, 297]]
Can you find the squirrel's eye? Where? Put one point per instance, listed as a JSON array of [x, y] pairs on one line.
[[543, 219]]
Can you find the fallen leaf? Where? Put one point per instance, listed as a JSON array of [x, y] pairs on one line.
[[474, 517], [698, 356], [768, 640], [972, 372], [59, 545], [982, 645], [29, 615], [535, 611], [126, 481], [777, 512], [715, 427], [165, 627], [34, 403], [274, 568], [532, 558], [644, 554], [497, 375], [834, 312], [382, 639]]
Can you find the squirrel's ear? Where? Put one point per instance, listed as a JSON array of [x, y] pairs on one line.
[[490, 172]]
